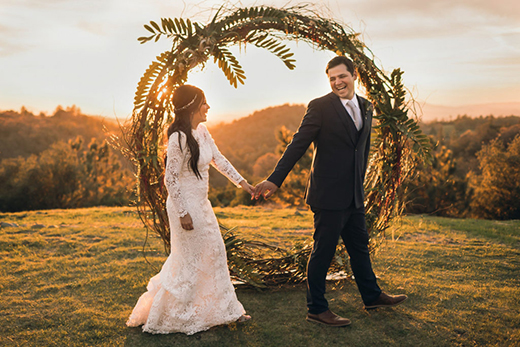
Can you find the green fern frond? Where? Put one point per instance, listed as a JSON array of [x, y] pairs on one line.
[[229, 65], [177, 29], [150, 75], [274, 46]]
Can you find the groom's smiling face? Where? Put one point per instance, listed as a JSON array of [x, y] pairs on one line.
[[342, 81]]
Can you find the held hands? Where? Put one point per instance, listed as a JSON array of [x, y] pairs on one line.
[[248, 188], [265, 189]]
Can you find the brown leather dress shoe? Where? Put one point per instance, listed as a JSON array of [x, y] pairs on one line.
[[328, 318], [386, 300]]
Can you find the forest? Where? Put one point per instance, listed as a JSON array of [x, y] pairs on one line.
[[60, 161], [65, 160]]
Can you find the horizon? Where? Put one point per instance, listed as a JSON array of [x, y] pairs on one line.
[[433, 113], [452, 54]]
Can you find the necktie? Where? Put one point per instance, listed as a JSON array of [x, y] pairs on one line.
[[355, 114]]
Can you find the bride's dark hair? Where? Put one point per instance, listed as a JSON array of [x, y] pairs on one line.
[[187, 100]]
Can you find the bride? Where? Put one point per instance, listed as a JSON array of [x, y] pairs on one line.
[[193, 291]]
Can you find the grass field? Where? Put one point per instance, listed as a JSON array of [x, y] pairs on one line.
[[71, 278]]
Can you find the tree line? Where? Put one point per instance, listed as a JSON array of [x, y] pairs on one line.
[[475, 168], [475, 171], [60, 161], [64, 160]]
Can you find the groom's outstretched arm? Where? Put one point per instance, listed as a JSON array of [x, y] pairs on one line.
[[306, 133]]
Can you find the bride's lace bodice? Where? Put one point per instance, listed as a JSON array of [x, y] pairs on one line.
[[180, 180]]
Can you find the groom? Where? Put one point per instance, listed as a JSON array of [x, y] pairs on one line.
[[339, 126]]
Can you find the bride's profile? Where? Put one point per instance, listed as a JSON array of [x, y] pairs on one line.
[[193, 291]]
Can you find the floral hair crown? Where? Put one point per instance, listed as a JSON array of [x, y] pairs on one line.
[[187, 105]]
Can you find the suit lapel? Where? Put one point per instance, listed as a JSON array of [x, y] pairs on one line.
[[345, 118]]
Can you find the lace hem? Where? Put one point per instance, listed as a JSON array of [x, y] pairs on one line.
[[162, 312]]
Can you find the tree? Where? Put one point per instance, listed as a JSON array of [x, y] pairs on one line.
[[437, 188], [65, 176], [264, 165], [497, 188]]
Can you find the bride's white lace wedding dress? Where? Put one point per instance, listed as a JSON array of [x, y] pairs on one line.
[[193, 290]]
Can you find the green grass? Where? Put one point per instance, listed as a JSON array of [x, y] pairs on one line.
[[74, 283]]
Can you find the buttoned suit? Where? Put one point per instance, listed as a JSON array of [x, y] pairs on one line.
[[334, 191]]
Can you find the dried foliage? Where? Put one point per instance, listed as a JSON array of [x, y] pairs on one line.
[[260, 265], [497, 188], [397, 140]]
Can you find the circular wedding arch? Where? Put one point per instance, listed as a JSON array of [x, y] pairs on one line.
[[397, 142]]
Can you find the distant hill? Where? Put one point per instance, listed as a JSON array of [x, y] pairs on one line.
[[433, 112], [23, 133], [437, 112], [242, 141], [246, 139]]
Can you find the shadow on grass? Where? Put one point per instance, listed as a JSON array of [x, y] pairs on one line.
[[279, 320]]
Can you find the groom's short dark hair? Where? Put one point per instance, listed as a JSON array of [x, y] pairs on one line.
[[338, 60]]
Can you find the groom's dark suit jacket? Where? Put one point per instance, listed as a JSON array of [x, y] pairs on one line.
[[340, 153]]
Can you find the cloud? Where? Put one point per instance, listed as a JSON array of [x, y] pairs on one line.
[[33, 3], [9, 48], [7, 31], [10, 42], [500, 62], [441, 18], [505, 9], [509, 40]]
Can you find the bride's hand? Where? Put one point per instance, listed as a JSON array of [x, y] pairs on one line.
[[247, 187], [187, 222]]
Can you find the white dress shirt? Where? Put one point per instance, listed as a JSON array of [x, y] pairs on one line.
[[353, 109]]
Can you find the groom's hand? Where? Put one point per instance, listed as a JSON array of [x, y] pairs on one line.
[[265, 189]]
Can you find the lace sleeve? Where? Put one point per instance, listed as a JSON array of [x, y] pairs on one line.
[[177, 153], [220, 162]]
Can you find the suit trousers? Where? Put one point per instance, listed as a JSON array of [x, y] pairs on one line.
[[329, 226]]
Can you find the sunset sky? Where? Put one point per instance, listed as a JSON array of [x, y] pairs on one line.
[[86, 53]]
